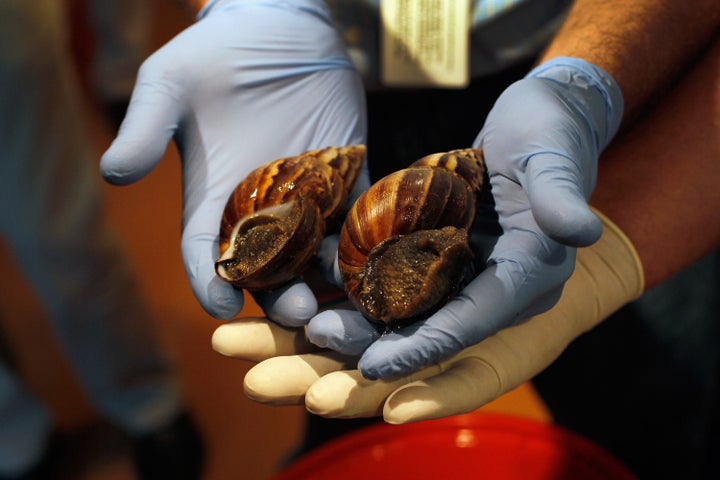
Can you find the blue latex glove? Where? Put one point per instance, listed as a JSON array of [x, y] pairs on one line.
[[541, 143], [249, 82]]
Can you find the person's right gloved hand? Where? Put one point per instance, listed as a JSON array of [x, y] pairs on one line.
[[249, 82], [541, 142]]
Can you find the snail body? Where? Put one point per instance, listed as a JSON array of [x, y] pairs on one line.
[[404, 244], [276, 217]]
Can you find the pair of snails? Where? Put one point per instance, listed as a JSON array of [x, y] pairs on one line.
[[403, 246]]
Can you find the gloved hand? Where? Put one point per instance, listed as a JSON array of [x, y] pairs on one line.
[[541, 143], [249, 82], [608, 275]]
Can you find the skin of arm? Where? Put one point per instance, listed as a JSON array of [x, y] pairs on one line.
[[659, 181], [643, 44], [646, 45]]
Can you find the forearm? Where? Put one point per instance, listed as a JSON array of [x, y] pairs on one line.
[[643, 44], [659, 183]]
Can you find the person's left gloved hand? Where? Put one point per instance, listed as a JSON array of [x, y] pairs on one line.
[[293, 372], [541, 143], [248, 83]]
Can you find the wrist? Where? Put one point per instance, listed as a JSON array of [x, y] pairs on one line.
[[596, 92]]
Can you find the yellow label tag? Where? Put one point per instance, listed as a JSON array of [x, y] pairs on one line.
[[425, 43]]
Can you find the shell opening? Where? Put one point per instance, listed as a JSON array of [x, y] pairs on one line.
[[256, 239], [409, 276]]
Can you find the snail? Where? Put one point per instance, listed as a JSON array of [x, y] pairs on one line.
[[404, 244], [276, 217]]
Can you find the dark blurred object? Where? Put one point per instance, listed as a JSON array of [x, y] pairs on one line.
[[51, 217], [84, 43], [174, 452], [115, 112], [70, 454]]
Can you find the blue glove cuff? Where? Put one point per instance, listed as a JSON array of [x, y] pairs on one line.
[[584, 75]]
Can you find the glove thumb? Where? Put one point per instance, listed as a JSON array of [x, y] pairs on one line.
[[151, 120], [558, 201]]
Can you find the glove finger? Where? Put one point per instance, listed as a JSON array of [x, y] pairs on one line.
[[347, 394], [257, 339], [218, 297], [150, 122], [285, 380], [291, 305], [345, 331], [559, 201], [465, 386]]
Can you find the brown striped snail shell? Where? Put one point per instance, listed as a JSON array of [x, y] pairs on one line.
[[276, 217], [404, 244]]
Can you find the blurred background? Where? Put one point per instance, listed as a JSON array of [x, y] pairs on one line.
[[244, 440]]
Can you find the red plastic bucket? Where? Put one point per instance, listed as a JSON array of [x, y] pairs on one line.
[[487, 446]]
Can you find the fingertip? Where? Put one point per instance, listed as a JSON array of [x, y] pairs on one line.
[[251, 338], [116, 170], [344, 331], [266, 383], [399, 353], [279, 381], [345, 394], [220, 299], [385, 361], [588, 229], [390, 369], [558, 190], [132, 156], [255, 382], [372, 371], [404, 405], [292, 305], [222, 341], [321, 399], [286, 379], [320, 328], [570, 223]]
